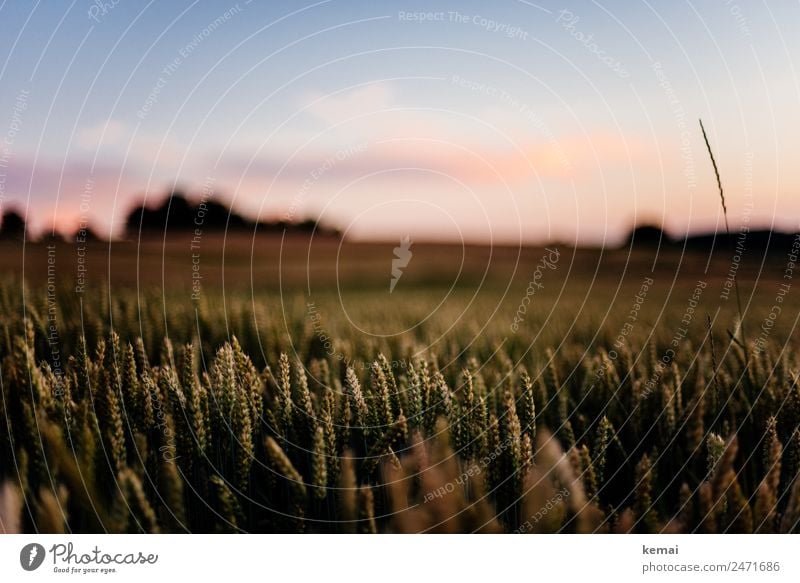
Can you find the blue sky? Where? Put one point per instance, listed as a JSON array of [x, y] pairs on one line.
[[497, 122]]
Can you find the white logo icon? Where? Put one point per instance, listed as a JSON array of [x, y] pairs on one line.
[[402, 255], [31, 556]]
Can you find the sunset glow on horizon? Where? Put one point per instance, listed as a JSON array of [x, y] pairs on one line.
[[510, 123]]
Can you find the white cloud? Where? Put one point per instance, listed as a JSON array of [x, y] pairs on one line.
[[106, 133], [341, 106]]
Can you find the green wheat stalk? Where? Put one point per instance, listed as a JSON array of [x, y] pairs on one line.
[[727, 228]]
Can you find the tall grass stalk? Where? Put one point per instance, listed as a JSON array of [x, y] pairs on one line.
[[727, 232]]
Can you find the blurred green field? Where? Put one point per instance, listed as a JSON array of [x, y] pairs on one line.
[[291, 391]]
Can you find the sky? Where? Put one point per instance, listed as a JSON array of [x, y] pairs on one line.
[[505, 122]]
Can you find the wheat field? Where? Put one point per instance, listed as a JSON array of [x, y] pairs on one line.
[[644, 410]]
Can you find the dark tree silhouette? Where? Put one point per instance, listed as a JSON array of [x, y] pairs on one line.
[[647, 236], [86, 235], [12, 226], [51, 236], [178, 214]]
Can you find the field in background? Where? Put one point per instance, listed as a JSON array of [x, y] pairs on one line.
[[494, 389]]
